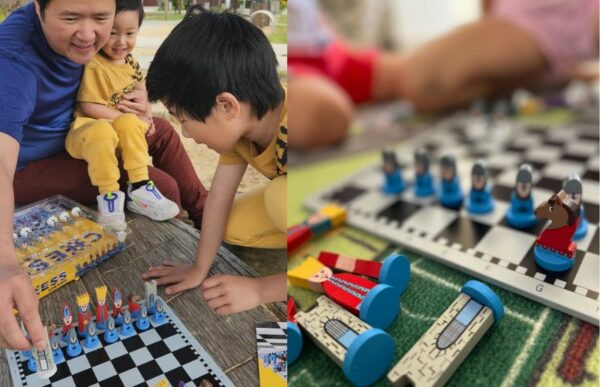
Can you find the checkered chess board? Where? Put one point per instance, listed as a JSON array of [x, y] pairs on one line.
[[271, 346], [163, 352], [485, 246]]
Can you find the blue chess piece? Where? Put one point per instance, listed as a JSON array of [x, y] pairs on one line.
[[151, 305], [521, 213], [159, 316], [573, 187], [451, 192], [73, 346], [127, 327], [31, 364], [143, 323], [91, 339], [26, 354], [111, 335], [394, 183], [423, 179], [582, 227], [57, 353], [480, 197]]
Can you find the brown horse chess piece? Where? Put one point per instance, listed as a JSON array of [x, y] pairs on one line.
[[554, 249]]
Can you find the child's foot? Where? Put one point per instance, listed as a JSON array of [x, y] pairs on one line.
[[111, 208], [147, 200]]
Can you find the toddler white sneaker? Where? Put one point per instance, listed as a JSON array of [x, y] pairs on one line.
[[147, 200]]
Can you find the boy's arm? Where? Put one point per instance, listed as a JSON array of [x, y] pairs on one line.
[[98, 111], [15, 284], [216, 213]]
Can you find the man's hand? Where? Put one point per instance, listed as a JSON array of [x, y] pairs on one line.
[[182, 276], [16, 290]]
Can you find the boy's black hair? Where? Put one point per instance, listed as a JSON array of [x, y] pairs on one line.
[[131, 5], [211, 53]]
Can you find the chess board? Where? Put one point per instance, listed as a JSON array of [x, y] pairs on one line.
[[55, 253], [485, 246], [271, 345], [163, 352]]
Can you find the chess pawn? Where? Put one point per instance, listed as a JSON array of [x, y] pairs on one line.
[[394, 183], [451, 192], [423, 179], [127, 327], [574, 189], [91, 339], [142, 323], [160, 315], [110, 334], [480, 197], [554, 249], [57, 353], [73, 345], [520, 213]]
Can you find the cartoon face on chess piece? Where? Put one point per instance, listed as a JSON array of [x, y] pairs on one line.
[[67, 314], [355, 293], [524, 182], [421, 162], [479, 176], [448, 167]]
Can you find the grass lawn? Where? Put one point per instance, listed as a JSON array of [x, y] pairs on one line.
[[279, 34], [160, 15]]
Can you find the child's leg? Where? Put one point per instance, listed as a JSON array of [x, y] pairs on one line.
[[95, 141], [131, 132], [144, 197], [258, 218], [470, 62], [319, 110]]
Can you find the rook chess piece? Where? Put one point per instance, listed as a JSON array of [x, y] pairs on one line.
[[394, 183], [480, 197], [520, 213], [451, 192], [574, 189], [142, 323], [423, 179], [554, 249], [110, 334]]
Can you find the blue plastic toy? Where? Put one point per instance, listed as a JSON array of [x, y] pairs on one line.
[[395, 271], [380, 306], [423, 179], [520, 214], [143, 322], [369, 356], [294, 342], [127, 327], [159, 316], [91, 339], [480, 200], [552, 260], [482, 293], [73, 346], [582, 228], [111, 335], [394, 183]]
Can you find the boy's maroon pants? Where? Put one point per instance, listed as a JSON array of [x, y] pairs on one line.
[[172, 173]]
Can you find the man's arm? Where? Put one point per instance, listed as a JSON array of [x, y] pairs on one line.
[[15, 284]]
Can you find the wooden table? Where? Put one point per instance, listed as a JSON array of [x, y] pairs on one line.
[[230, 340]]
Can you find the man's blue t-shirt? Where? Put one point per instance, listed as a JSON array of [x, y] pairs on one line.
[[37, 88]]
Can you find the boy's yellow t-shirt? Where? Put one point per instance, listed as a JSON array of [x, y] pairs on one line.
[[104, 82], [272, 161]]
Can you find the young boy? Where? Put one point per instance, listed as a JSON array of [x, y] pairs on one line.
[[217, 74], [100, 131]]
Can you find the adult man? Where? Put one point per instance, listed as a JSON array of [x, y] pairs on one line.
[[43, 47]]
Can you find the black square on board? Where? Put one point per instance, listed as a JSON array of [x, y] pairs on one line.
[[594, 244], [592, 212], [158, 349], [591, 175], [345, 194], [166, 330], [150, 370], [85, 378], [123, 363], [176, 375], [114, 381], [501, 192], [132, 343], [550, 184], [98, 356], [206, 378], [465, 231], [62, 371], [185, 355], [398, 211]]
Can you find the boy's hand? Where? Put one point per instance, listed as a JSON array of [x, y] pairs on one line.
[[135, 102], [16, 290], [228, 294], [182, 276]]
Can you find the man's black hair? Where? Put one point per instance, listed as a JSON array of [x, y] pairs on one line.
[[131, 5], [211, 53], [43, 4]]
